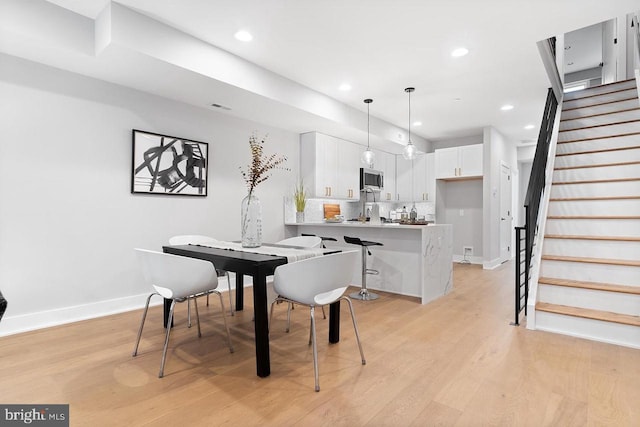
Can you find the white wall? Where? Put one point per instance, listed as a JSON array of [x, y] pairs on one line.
[[525, 174], [454, 198], [68, 222], [497, 149]]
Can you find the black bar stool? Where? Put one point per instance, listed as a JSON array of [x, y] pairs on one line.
[[364, 294], [324, 239]]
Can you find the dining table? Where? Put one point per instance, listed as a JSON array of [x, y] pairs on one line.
[[258, 266]]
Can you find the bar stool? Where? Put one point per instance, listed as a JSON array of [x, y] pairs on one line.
[[364, 294]]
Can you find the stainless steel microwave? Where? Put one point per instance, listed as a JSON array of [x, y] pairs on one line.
[[371, 180]]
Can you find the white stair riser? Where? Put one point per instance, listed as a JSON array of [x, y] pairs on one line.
[[600, 109], [588, 272], [596, 90], [605, 157], [614, 302], [599, 144], [597, 173], [614, 333], [595, 208], [600, 99], [610, 249], [601, 227], [598, 189], [606, 119], [597, 132]]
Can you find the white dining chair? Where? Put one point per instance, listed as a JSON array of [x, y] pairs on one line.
[[302, 241], [194, 239], [316, 282], [308, 242], [179, 279]]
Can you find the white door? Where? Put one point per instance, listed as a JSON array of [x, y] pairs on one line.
[[506, 227]]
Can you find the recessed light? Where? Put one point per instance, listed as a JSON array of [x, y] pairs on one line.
[[527, 127], [461, 51], [417, 123], [457, 99], [345, 87], [506, 107], [243, 36]]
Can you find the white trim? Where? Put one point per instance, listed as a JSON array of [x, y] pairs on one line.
[[472, 259], [45, 319], [490, 265]]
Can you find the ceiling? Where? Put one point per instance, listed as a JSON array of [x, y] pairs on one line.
[[381, 47]]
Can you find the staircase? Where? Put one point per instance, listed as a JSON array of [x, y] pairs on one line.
[[589, 284]]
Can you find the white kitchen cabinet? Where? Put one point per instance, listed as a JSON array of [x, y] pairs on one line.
[[348, 170], [411, 184], [459, 162], [430, 162], [330, 166], [386, 163]]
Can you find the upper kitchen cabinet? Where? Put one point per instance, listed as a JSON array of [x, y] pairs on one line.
[[463, 162], [348, 172], [330, 166], [411, 181], [386, 163]]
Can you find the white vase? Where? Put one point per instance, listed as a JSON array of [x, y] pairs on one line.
[[299, 217], [251, 221]]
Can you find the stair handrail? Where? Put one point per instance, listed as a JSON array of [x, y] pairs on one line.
[[535, 193]]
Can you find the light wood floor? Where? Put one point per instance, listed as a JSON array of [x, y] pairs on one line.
[[456, 361]]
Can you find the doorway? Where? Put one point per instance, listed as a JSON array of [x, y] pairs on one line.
[[506, 216]]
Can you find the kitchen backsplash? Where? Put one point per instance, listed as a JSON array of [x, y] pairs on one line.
[[314, 211]]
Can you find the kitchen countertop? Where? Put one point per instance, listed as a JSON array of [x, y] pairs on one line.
[[362, 225]]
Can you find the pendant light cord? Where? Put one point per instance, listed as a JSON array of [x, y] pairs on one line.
[[368, 126]]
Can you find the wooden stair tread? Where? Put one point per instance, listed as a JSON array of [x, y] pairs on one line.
[[600, 114], [595, 181], [602, 150], [599, 94], [601, 125], [609, 287], [598, 137], [608, 261], [596, 105], [585, 237], [598, 165], [593, 217], [588, 313], [575, 199]]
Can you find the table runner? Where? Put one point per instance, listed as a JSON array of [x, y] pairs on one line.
[[292, 254]]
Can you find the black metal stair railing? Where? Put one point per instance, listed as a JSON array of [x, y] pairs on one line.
[[526, 234]]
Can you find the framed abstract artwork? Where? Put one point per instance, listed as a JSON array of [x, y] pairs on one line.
[[163, 164]]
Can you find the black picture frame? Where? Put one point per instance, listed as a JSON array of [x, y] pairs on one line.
[[168, 165]]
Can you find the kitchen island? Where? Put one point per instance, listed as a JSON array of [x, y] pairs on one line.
[[416, 260]]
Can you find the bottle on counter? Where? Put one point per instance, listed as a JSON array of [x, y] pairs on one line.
[[403, 213], [413, 216]]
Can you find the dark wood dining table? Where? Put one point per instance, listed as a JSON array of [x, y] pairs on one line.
[[258, 266]]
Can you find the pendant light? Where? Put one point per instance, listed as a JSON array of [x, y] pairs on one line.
[[368, 156], [409, 151]]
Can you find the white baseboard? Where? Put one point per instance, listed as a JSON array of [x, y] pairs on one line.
[[45, 319], [490, 265], [472, 259]]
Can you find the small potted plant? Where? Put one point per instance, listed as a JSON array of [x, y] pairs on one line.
[[300, 200]]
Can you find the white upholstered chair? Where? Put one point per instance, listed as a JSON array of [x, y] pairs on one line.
[[179, 279], [316, 282], [194, 239]]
